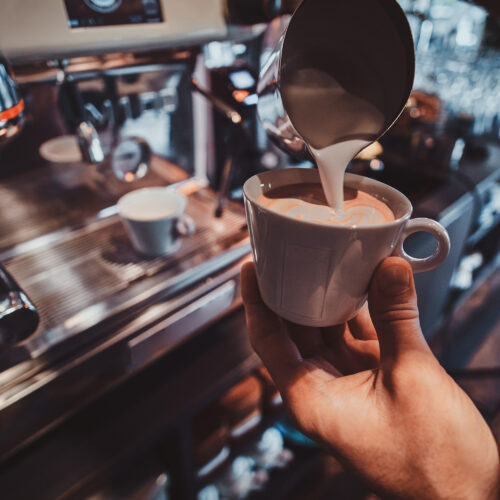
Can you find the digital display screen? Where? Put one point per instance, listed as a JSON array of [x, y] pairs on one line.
[[90, 13]]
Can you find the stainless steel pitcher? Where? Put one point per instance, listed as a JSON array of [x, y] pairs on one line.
[[366, 45]]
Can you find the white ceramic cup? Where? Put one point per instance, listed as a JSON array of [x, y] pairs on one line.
[[317, 274], [155, 218]]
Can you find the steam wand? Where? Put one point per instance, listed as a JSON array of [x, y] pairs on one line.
[[239, 135]]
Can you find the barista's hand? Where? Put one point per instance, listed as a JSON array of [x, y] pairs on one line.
[[376, 397]]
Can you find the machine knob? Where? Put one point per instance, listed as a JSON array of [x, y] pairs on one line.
[[103, 5]]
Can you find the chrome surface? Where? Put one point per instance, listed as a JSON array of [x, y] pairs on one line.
[[272, 114], [98, 362], [239, 136], [86, 225], [80, 280], [11, 106], [66, 247], [89, 142], [56, 199], [151, 343], [221, 106], [64, 243], [332, 38], [130, 159], [87, 68], [18, 318]]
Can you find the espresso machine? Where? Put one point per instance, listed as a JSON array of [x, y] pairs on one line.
[[99, 98]]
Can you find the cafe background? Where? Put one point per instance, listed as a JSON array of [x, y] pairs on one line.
[[128, 377]]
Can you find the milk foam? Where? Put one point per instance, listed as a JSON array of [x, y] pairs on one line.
[[147, 213], [149, 204], [309, 205]]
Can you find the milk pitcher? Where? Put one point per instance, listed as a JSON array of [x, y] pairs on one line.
[[365, 45]]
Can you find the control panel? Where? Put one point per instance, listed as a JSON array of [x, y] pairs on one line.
[[34, 30], [88, 13]]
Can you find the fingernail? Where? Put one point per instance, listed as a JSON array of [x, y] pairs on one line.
[[394, 280]]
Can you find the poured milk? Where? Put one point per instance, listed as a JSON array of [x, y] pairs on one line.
[[332, 162], [335, 124]]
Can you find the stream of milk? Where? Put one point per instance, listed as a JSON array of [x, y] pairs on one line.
[[335, 124]]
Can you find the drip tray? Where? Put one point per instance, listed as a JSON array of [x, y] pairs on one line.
[[97, 263]]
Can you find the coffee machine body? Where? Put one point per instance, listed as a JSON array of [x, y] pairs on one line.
[[114, 75], [34, 30]]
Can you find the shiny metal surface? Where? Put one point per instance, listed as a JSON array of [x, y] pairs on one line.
[[60, 198], [66, 247], [130, 159], [69, 279], [369, 57], [222, 107], [90, 143], [273, 116], [69, 377], [150, 344], [88, 275], [18, 318], [11, 106], [18, 315]]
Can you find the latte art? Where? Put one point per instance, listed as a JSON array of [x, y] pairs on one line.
[[351, 216], [307, 202]]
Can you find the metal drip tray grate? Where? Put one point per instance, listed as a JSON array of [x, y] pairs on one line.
[[58, 196], [97, 262]]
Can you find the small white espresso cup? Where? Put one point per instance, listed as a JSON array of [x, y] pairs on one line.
[[154, 219], [317, 274]]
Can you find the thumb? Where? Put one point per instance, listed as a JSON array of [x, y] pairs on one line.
[[270, 341], [393, 308]]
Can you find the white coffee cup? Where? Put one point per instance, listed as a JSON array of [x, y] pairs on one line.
[[317, 274], [155, 218]]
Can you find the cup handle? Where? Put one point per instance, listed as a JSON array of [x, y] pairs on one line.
[[185, 225], [427, 226]]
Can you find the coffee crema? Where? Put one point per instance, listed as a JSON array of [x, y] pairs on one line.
[[307, 202]]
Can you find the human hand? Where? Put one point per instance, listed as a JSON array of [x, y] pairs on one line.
[[374, 395]]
